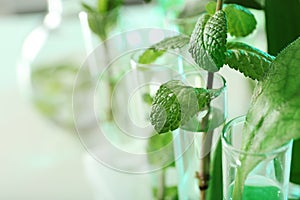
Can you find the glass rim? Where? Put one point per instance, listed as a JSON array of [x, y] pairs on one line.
[[136, 64], [205, 73], [242, 119]]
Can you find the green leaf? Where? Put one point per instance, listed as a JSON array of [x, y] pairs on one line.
[[175, 103], [279, 95], [87, 8], [156, 143], [101, 24], [211, 7], [274, 115], [241, 22], [150, 55], [174, 42], [208, 41], [158, 49], [147, 98], [214, 190], [252, 62], [281, 14], [170, 193], [104, 17]]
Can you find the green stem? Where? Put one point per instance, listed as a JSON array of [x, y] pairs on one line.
[[102, 6], [243, 170], [248, 164], [238, 187], [204, 169], [210, 80], [161, 185], [219, 5], [110, 82]]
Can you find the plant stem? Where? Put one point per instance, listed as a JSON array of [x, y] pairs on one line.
[[204, 171], [110, 81], [161, 185], [238, 187], [219, 5], [210, 80]]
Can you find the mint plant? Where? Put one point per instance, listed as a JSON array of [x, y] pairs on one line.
[[208, 46]]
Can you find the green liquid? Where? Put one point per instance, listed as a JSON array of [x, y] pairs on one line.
[[262, 192], [261, 188]]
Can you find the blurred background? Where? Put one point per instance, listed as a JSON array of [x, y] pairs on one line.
[[42, 47]]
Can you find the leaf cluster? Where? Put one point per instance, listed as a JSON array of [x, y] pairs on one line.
[[210, 50], [209, 47], [208, 43]]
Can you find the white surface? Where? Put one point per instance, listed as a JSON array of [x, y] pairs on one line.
[[38, 159]]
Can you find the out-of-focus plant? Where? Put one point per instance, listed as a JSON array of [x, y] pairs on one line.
[[103, 17]]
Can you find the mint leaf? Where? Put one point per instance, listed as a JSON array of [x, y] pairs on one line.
[[208, 41], [150, 55], [158, 49], [252, 62], [174, 42], [241, 22], [175, 103], [277, 101], [147, 98], [211, 7], [274, 115]]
